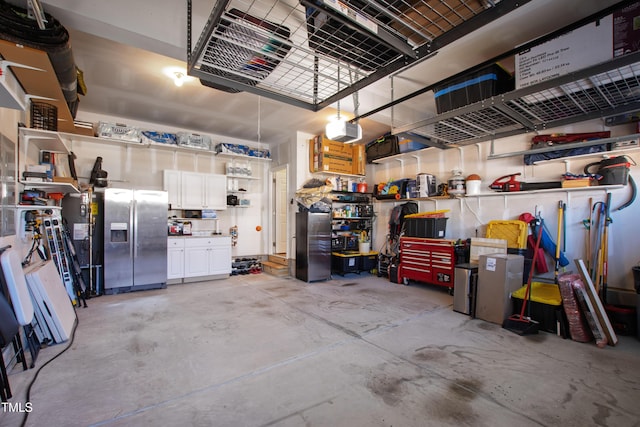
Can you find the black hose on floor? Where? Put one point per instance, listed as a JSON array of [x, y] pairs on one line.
[[28, 395]]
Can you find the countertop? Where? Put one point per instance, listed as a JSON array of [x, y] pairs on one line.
[[197, 236]]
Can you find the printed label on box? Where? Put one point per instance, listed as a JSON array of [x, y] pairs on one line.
[[490, 264]]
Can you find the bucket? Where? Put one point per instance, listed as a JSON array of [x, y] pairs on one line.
[[473, 187], [362, 187], [364, 247]]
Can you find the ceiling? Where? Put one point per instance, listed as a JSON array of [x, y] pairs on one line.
[[123, 47]]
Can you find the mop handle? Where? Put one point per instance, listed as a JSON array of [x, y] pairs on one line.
[[535, 251]]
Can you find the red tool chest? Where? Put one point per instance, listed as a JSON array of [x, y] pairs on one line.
[[427, 260]]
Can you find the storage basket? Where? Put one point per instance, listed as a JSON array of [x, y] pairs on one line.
[[44, 116]]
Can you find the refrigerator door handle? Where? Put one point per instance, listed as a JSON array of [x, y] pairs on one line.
[[134, 222]]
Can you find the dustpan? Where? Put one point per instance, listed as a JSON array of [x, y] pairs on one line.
[[518, 323]]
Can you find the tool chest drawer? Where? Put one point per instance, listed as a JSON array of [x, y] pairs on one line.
[[427, 260]]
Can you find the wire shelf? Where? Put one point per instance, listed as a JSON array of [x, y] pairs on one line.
[[311, 53], [595, 92]]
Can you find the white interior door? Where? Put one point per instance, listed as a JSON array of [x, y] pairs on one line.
[[280, 211]]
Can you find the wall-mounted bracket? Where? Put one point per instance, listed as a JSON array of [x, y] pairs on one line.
[[11, 93]]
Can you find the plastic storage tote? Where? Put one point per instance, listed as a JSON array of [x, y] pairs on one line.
[[473, 87]]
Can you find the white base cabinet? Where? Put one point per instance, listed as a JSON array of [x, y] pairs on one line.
[[175, 258], [201, 258]]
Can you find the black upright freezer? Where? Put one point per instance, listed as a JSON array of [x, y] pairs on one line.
[[83, 215], [313, 246]]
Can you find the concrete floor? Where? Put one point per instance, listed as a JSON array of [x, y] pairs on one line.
[[258, 350]]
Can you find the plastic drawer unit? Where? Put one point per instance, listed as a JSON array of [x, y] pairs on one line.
[[427, 260]]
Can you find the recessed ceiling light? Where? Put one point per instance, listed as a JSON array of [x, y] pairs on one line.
[[178, 79], [177, 74]]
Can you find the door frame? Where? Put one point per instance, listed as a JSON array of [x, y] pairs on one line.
[[272, 209]]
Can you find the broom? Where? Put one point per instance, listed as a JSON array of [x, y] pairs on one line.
[[518, 323]]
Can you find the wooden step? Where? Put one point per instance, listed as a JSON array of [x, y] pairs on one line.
[[279, 259], [275, 269]]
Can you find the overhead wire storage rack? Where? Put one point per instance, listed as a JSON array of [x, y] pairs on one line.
[[312, 53], [596, 92]]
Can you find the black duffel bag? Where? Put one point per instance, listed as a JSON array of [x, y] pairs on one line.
[[384, 146]]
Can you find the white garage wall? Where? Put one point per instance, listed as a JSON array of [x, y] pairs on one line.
[[139, 167]]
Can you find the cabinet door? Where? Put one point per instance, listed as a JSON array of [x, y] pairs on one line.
[[175, 263], [193, 190], [172, 185], [220, 256], [215, 191], [196, 261]]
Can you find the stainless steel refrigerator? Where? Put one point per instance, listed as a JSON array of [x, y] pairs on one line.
[[135, 240], [313, 246]]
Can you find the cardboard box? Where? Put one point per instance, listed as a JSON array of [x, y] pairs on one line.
[[498, 276], [576, 183], [313, 156], [337, 164], [333, 156], [82, 130], [336, 148], [66, 179], [359, 160]]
